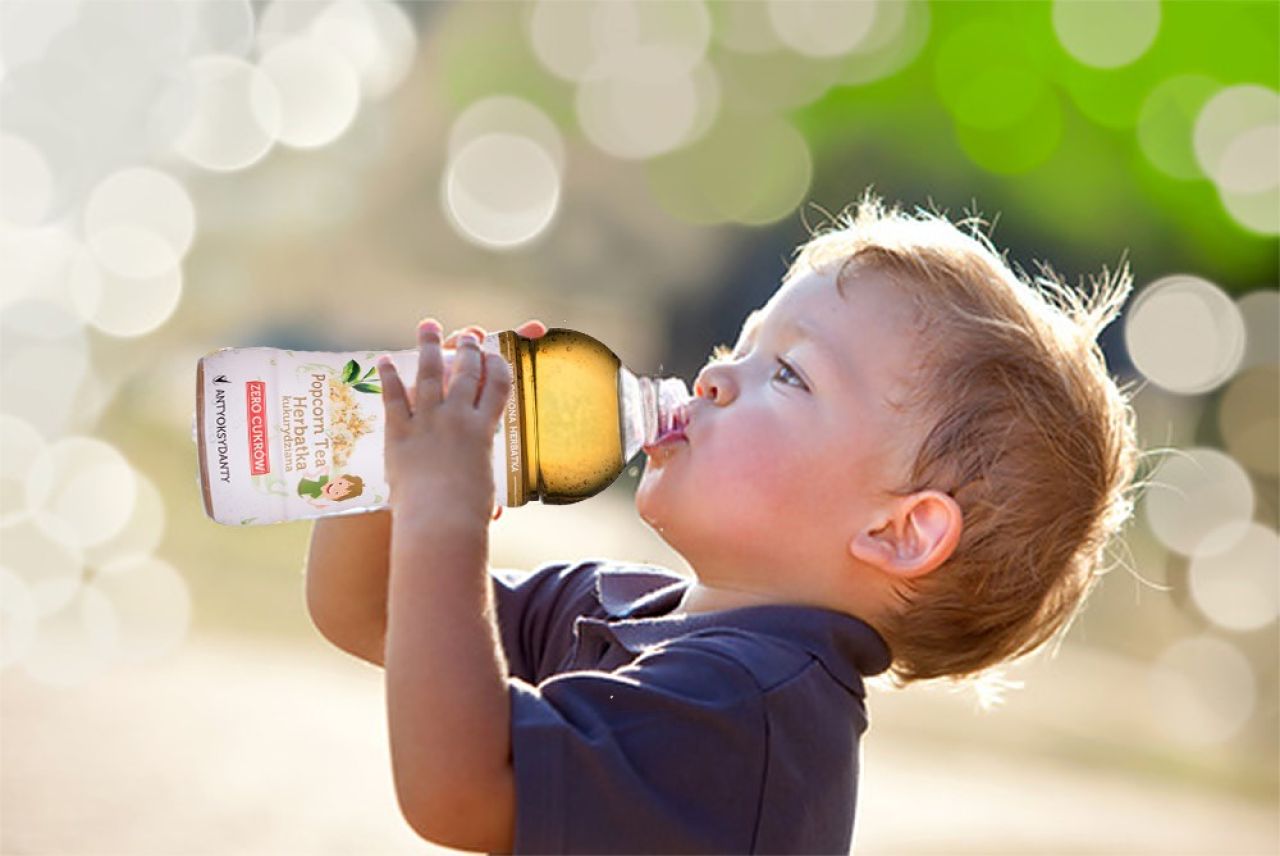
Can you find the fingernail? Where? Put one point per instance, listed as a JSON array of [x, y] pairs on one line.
[[469, 339], [430, 324]]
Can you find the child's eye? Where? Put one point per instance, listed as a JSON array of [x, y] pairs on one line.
[[784, 367]]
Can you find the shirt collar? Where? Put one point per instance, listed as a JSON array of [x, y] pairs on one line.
[[637, 600]]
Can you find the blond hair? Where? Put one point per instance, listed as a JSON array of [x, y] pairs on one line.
[[1027, 432]]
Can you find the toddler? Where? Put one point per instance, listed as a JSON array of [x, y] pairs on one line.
[[910, 463]]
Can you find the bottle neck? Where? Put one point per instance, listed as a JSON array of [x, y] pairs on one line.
[[648, 408]]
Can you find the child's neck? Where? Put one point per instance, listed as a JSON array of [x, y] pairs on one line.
[[699, 597]]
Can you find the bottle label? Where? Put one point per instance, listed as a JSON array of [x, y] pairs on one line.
[[509, 443], [289, 435]]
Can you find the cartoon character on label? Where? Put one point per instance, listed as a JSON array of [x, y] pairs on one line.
[[346, 486]]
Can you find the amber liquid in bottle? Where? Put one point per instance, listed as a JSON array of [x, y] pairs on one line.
[[582, 414]]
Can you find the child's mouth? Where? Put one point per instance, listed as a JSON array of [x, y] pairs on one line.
[[669, 439], [665, 446]]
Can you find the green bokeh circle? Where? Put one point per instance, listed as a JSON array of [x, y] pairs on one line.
[[1167, 120], [1016, 149], [749, 168]]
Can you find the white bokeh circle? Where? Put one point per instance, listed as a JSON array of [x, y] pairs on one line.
[[28, 182], [501, 190], [142, 533], [139, 221], [76, 643], [507, 114], [638, 103], [1202, 691], [318, 89], [1106, 33], [821, 29], [237, 116], [1235, 577], [375, 36], [22, 443], [1185, 334], [1233, 135], [84, 483], [1194, 492], [122, 306]]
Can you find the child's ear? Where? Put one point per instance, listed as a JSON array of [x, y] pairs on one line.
[[920, 532]]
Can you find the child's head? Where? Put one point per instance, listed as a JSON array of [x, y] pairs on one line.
[[941, 452]]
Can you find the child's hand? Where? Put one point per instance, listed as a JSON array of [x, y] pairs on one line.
[[439, 439], [530, 330]]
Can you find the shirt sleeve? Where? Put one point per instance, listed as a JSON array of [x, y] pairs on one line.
[[535, 611], [664, 755]]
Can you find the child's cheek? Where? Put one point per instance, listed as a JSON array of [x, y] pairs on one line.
[[746, 465]]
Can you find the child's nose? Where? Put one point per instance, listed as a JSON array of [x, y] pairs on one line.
[[710, 385]]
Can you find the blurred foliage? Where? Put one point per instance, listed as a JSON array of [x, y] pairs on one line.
[[1094, 188], [995, 110]]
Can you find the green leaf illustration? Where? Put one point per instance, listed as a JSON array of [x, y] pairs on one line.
[[369, 387], [350, 371], [369, 373]]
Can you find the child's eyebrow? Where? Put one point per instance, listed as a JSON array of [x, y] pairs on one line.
[[834, 360], [798, 329]]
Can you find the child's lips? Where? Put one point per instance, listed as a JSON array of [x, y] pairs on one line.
[[671, 437], [662, 448]]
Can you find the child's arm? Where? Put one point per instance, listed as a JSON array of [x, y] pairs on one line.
[[347, 568], [446, 645], [448, 711], [445, 648]]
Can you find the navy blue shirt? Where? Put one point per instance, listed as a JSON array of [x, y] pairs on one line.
[[633, 731]]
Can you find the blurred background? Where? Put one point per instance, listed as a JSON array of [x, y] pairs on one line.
[[177, 177]]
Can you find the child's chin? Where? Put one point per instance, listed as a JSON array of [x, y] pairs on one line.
[[649, 504], [650, 478]]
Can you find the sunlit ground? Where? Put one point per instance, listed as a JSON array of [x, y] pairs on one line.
[[239, 745]]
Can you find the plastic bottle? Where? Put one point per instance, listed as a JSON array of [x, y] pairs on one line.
[[290, 435]]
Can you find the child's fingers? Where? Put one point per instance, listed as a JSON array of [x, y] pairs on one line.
[[394, 403], [452, 340], [468, 372], [532, 329], [430, 365], [497, 387]]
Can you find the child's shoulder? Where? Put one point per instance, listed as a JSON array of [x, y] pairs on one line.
[[770, 661], [771, 644], [786, 646]]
